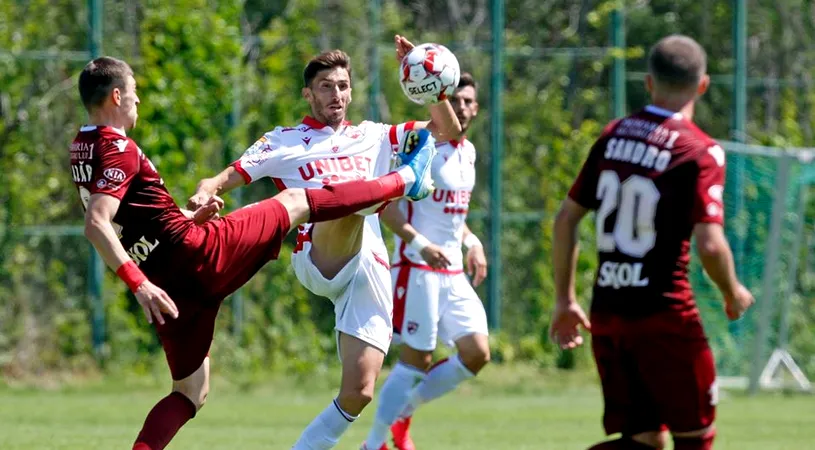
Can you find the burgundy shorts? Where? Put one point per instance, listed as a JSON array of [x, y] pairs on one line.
[[229, 252], [654, 382]]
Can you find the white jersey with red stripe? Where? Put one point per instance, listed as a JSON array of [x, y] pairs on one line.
[[312, 155], [441, 216]]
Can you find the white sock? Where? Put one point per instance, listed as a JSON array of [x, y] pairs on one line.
[[408, 176], [392, 400], [444, 377], [325, 430]]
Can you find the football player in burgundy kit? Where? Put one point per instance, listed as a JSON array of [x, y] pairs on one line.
[[179, 264], [433, 299], [654, 180], [344, 260]]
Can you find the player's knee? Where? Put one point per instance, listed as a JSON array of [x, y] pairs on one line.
[[475, 358], [701, 439], [418, 359], [474, 351], [654, 439], [295, 202], [354, 399], [196, 386], [197, 394]]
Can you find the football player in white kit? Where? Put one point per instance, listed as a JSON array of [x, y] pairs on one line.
[[433, 299], [346, 259]]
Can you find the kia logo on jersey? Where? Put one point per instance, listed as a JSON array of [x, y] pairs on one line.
[[114, 174], [412, 327]]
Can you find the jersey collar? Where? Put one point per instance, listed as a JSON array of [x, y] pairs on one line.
[[317, 125], [455, 143], [85, 128], [664, 112]]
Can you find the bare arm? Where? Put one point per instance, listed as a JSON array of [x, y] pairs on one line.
[[443, 124], [567, 316], [431, 253], [99, 230], [222, 183], [476, 259], [717, 259], [396, 221], [205, 203], [565, 250]]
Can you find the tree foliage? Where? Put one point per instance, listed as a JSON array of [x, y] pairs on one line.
[[214, 75]]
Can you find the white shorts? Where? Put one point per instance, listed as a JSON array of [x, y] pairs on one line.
[[431, 306], [363, 304]]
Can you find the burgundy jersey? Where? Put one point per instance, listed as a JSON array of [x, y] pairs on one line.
[[650, 177], [148, 222]]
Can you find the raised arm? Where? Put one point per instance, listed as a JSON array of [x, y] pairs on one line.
[[99, 230], [258, 161], [443, 123], [432, 254], [222, 183]]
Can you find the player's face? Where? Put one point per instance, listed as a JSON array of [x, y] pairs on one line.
[[329, 96], [465, 106], [128, 103]]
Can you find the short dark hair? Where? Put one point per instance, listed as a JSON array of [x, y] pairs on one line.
[[677, 61], [466, 79], [99, 78], [326, 61]]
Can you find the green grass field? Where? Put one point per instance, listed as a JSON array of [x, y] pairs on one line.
[[506, 409]]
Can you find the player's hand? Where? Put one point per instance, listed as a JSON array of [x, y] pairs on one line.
[[205, 206], [435, 257], [154, 301], [738, 302], [403, 47], [476, 264], [565, 327]]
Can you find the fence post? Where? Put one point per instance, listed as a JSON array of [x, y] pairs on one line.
[[497, 150], [237, 194], [96, 267], [769, 287], [374, 17], [739, 119], [618, 91]]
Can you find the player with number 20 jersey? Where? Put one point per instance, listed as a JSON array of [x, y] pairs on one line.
[[654, 179]]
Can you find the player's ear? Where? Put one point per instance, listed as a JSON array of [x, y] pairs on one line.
[[704, 83], [475, 108], [649, 83], [307, 94], [116, 95]]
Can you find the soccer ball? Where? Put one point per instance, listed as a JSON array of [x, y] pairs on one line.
[[427, 72]]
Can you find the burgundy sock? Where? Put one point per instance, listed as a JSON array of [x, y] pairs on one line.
[[622, 443], [340, 200], [704, 442], [164, 421]]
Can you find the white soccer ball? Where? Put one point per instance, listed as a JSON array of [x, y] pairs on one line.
[[427, 71]]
